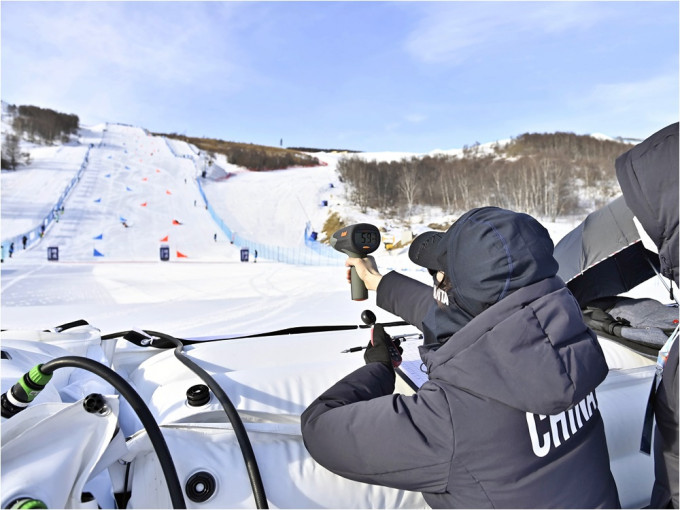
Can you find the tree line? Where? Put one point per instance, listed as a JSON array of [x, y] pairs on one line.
[[43, 124], [251, 156], [39, 125], [546, 175]]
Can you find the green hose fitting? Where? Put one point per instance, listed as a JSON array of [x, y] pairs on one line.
[[33, 382], [27, 503]]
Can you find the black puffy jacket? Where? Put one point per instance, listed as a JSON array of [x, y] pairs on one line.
[[509, 416], [648, 175]]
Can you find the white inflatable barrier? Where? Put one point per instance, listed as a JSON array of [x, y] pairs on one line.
[[55, 450]]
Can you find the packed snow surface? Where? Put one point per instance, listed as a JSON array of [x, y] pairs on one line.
[[139, 193]]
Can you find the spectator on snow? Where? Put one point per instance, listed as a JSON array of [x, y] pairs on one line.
[[509, 416]]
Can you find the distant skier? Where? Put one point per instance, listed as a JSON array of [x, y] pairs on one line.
[[254, 256], [11, 250], [24, 240], [215, 237]]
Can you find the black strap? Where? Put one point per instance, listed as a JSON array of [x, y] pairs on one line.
[[69, 325], [648, 424], [142, 339]]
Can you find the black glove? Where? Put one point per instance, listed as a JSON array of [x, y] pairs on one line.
[[382, 349]]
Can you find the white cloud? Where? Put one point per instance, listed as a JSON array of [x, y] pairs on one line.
[[452, 32], [120, 52], [643, 98]]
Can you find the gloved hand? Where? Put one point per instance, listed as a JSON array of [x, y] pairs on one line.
[[382, 349]]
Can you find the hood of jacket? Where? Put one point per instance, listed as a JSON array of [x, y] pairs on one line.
[[648, 176], [531, 351], [487, 254]]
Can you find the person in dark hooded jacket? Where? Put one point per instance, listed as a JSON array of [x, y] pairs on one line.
[[648, 176], [509, 416]]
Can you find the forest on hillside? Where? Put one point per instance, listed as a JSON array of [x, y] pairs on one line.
[[43, 124], [37, 125], [251, 156], [546, 175]]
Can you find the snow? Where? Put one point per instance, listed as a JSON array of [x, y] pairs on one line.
[[204, 289], [601, 136], [207, 292]]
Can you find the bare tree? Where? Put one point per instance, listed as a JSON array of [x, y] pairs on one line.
[[11, 152], [408, 185]]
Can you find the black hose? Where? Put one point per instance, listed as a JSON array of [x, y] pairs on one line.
[[139, 406], [232, 414]]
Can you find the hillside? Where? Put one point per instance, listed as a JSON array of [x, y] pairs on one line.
[[250, 156], [544, 174], [113, 276], [194, 198]]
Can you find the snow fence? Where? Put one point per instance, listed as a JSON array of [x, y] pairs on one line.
[[34, 235]]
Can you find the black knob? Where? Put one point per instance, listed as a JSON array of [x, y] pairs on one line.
[[198, 395], [200, 486], [368, 317], [95, 403]]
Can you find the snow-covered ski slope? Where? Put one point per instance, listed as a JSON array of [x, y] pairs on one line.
[[112, 275], [28, 197], [139, 192]]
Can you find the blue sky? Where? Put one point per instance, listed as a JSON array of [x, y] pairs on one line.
[[372, 76]]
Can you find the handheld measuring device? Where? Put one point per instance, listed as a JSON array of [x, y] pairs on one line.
[[357, 241]]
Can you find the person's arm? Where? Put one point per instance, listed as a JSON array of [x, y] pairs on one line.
[[405, 297], [395, 292], [359, 430]]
